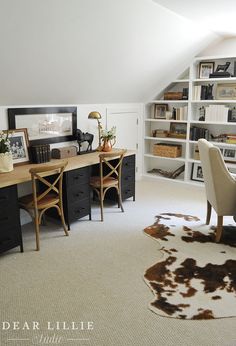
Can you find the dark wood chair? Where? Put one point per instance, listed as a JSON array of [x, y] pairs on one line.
[[110, 177], [49, 197]]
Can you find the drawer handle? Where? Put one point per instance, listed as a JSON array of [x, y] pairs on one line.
[[5, 218], [80, 209], [128, 177], [79, 193], [3, 198]]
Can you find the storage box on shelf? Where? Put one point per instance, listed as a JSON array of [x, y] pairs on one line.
[[209, 111]]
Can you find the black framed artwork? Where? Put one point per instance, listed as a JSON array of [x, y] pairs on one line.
[[45, 125]]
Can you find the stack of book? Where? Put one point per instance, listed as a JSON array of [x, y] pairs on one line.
[[40, 153], [217, 113], [198, 132]]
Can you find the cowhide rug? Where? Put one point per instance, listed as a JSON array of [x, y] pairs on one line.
[[196, 278]]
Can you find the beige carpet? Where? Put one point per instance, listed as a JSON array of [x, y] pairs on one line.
[[95, 275]]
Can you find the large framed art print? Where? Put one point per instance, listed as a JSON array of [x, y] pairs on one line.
[[45, 125]]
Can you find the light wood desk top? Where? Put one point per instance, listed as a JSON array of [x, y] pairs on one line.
[[21, 174]]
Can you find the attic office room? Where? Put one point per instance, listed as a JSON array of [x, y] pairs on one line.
[[158, 76]]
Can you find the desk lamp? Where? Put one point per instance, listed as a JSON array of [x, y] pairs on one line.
[[97, 116]]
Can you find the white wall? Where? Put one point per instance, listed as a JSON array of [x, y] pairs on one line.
[[225, 47], [90, 51]]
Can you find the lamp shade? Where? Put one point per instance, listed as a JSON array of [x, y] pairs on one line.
[[94, 115]]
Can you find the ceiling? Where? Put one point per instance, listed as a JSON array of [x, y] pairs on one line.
[[215, 15]]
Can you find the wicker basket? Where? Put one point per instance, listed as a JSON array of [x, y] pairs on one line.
[[167, 150]]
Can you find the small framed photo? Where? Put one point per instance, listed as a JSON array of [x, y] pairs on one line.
[[232, 115], [19, 144], [197, 173], [178, 130], [226, 91], [160, 111], [206, 68], [229, 154]]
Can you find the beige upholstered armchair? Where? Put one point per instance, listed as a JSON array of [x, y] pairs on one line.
[[219, 184]]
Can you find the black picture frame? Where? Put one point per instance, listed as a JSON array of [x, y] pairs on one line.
[[13, 113], [19, 144], [197, 174], [205, 69]]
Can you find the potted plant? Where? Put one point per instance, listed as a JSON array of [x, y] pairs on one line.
[[109, 138], [6, 162]]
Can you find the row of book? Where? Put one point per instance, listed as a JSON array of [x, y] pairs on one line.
[[203, 92], [199, 132], [180, 113], [217, 113], [40, 153]]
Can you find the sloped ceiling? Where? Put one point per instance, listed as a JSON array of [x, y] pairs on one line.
[[217, 16], [90, 51]]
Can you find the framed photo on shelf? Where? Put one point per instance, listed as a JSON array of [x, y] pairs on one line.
[[19, 144], [229, 154], [178, 130], [197, 173], [232, 115], [45, 125], [160, 111], [226, 91], [206, 68]]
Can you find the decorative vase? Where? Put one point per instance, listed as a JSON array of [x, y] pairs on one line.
[[107, 146], [6, 162]]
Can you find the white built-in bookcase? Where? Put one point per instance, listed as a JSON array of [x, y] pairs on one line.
[[189, 79]]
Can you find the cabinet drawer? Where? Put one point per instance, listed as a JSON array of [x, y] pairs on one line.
[[127, 177], [10, 237], [128, 191], [82, 191], [128, 163], [78, 176], [78, 210], [8, 195]]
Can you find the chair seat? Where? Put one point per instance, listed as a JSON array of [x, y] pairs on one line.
[[47, 201], [108, 182]]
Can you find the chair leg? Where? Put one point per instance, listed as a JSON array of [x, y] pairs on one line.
[[61, 213], [208, 217], [219, 228], [36, 223], [120, 200], [101, 203]]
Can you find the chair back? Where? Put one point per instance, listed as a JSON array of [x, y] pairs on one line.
[[219, 183], [111, 169], [54, 185]]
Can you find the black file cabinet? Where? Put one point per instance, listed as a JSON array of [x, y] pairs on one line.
[[10, 228], [127, 180], [76, 194]]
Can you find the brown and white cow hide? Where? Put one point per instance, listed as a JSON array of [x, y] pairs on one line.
[[196, 278]]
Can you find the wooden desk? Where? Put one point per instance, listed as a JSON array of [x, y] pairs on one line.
[[76, 193]]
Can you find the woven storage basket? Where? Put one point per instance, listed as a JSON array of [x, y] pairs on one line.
[[167, 150]]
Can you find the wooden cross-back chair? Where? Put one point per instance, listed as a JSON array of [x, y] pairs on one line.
[[49, 197], [110, 177]]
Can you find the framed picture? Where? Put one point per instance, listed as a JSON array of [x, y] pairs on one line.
[[45, 125], [232, 115], [206, 68], [226, 91], [160, 111], [19, 144], [178, 130], [229, 154], [197, 173]]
